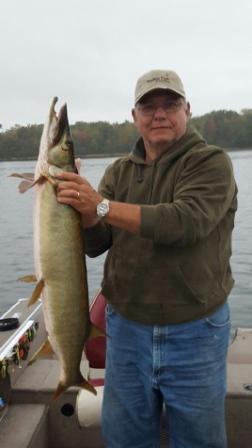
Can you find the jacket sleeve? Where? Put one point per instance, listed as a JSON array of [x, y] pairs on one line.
[[98, 239], [204, 192]]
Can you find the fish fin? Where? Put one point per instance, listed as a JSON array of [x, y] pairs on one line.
[[24, 186], [36, 292], [95, 332], [27, 185], [59, 391], [44, 350], [88, 386], [61, 388], [43, 177], [78, 164], [26, 176], [28, 279], [49, 179], [28, 181]]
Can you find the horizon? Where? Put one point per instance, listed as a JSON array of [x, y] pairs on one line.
[[16, 125]]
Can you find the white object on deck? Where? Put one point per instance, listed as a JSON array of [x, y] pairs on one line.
[[88, 407]]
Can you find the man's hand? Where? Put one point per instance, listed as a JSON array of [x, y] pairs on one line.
[[76, 191]]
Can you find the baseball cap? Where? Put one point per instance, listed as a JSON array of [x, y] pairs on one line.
[[158, 79]]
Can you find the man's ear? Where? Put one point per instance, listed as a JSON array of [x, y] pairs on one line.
[[133, 113], [188, 110]]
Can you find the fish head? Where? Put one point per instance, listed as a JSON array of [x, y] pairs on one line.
[[56, 146], [61, 149]]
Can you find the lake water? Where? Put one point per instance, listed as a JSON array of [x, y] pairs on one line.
[[16, 255]]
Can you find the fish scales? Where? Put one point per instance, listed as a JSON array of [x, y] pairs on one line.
[[61, 264]]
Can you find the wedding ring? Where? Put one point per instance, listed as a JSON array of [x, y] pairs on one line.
[[78, 195]]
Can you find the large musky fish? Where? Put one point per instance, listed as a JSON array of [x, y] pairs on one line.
[[60, 268]]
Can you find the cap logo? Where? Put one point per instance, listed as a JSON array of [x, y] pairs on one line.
[[160, 78]]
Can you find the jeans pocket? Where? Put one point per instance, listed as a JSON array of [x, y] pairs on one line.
[[219, 318]]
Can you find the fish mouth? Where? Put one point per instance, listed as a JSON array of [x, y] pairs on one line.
[[60, 122]]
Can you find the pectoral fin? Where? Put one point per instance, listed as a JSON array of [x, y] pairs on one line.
[[37, 292], [49, 179], [28, 279], [29, 181], [26, 176], [24, 186], [78, 164]]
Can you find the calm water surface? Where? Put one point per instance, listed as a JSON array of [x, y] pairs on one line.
[[16, 255]]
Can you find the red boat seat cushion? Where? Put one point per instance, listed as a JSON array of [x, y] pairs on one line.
[[96, 348]]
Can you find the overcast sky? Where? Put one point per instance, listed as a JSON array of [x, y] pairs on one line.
[[89, 53]]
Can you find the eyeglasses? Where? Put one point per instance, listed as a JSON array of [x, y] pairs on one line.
[[148, 109]]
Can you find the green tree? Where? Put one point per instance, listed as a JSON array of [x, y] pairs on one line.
[[226, 128]]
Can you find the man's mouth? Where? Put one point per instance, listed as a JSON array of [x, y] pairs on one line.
[[160, 127]]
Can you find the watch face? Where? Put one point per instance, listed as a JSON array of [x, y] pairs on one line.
[[102, 209]]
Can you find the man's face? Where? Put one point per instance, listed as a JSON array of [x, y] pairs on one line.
[[161, 118]]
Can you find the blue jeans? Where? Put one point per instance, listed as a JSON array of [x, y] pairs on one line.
[[180, 367]]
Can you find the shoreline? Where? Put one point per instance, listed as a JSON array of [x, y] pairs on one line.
[[86, 156], [103, 156]]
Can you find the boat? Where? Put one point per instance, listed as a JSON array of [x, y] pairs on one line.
[[30, 418]]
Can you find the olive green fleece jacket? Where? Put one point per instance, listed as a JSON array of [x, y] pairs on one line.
[[177, 269]]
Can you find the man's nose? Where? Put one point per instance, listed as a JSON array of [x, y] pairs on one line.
[[159, 111]]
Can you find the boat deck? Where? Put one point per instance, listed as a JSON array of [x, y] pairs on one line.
[[34, 420]]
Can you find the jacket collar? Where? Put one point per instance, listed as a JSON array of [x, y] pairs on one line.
[[190, 139]]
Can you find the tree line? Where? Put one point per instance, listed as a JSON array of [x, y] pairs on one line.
[[225, 128]]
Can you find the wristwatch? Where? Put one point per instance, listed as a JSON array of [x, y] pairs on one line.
[[102, 208]]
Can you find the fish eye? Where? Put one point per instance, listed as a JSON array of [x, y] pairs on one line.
[[68, 144]]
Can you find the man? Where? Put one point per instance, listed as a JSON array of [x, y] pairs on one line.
[[165, 212]]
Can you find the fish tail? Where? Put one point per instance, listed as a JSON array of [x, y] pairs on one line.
[[84, 384], [88, 386]]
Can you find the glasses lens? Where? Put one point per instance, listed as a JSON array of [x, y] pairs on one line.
[[170, 105]]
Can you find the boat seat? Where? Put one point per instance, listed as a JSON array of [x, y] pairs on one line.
[[95, 349]]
